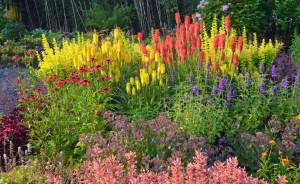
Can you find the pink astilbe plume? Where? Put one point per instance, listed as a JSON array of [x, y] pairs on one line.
[[111, 171]]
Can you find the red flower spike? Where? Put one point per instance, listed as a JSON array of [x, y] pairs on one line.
[[227, 24], [140, 36], [235, 60], [240, 43], [187, 21], [221, 44], [177, 18], [216, 41], [233, 44]]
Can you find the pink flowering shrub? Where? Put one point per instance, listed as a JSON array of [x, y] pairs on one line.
[[110, 171]]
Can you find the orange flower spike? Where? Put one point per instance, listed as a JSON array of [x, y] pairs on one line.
[[227, 24], [199, 43], [216, 41], [240, 43], [156, 36], [177, 18], [233, 43], [235, 60], [221, 43], [140, 36], [196, 29], [187, 22]]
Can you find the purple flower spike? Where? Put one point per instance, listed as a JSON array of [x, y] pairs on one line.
[[273, 71], [214, 90], [261, 68], [248, 80], [196, 90], [207, 71], [191, 78], [275, 90], [262, 88], [297, 79], [173, 74], [284, 83], [222, 85]]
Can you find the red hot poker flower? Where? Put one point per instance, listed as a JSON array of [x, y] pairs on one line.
[[227, 24], [233, 44], [240, 43], [187, 21], [177, 18], [216, 41], [140, 36], [235, 60], [221, 43]]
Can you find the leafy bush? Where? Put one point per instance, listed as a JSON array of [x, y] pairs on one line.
[[295, 49], [101, 18], [57, 120], [271, 18], [13, 30]]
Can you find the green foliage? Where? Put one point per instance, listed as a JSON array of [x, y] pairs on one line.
[[271, 18], [295, 48], [244, 12], [101, 18], [65, 115], [201, 116], [13, 30], [26, 174]]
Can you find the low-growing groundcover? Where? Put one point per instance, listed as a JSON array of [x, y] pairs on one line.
[[177, 108]]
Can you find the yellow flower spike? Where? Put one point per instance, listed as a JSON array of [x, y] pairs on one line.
[[128, 88], [163, 69], [132, 81], [133, 91], [154, 76], [137, 84], [285, 161], [272, 143], [161, 82], [116, 34], [157, 57], [152, 55]]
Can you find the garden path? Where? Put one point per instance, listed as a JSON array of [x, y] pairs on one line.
[[8, 94]]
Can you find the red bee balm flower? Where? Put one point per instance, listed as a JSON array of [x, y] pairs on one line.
[[177, 18], [84, 82], [140, 36], [227, 24], [105, 90], [105, 78]]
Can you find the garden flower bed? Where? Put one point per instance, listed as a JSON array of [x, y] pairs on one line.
[[197, 105]]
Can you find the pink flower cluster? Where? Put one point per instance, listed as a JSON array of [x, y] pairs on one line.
[[111, 171]]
